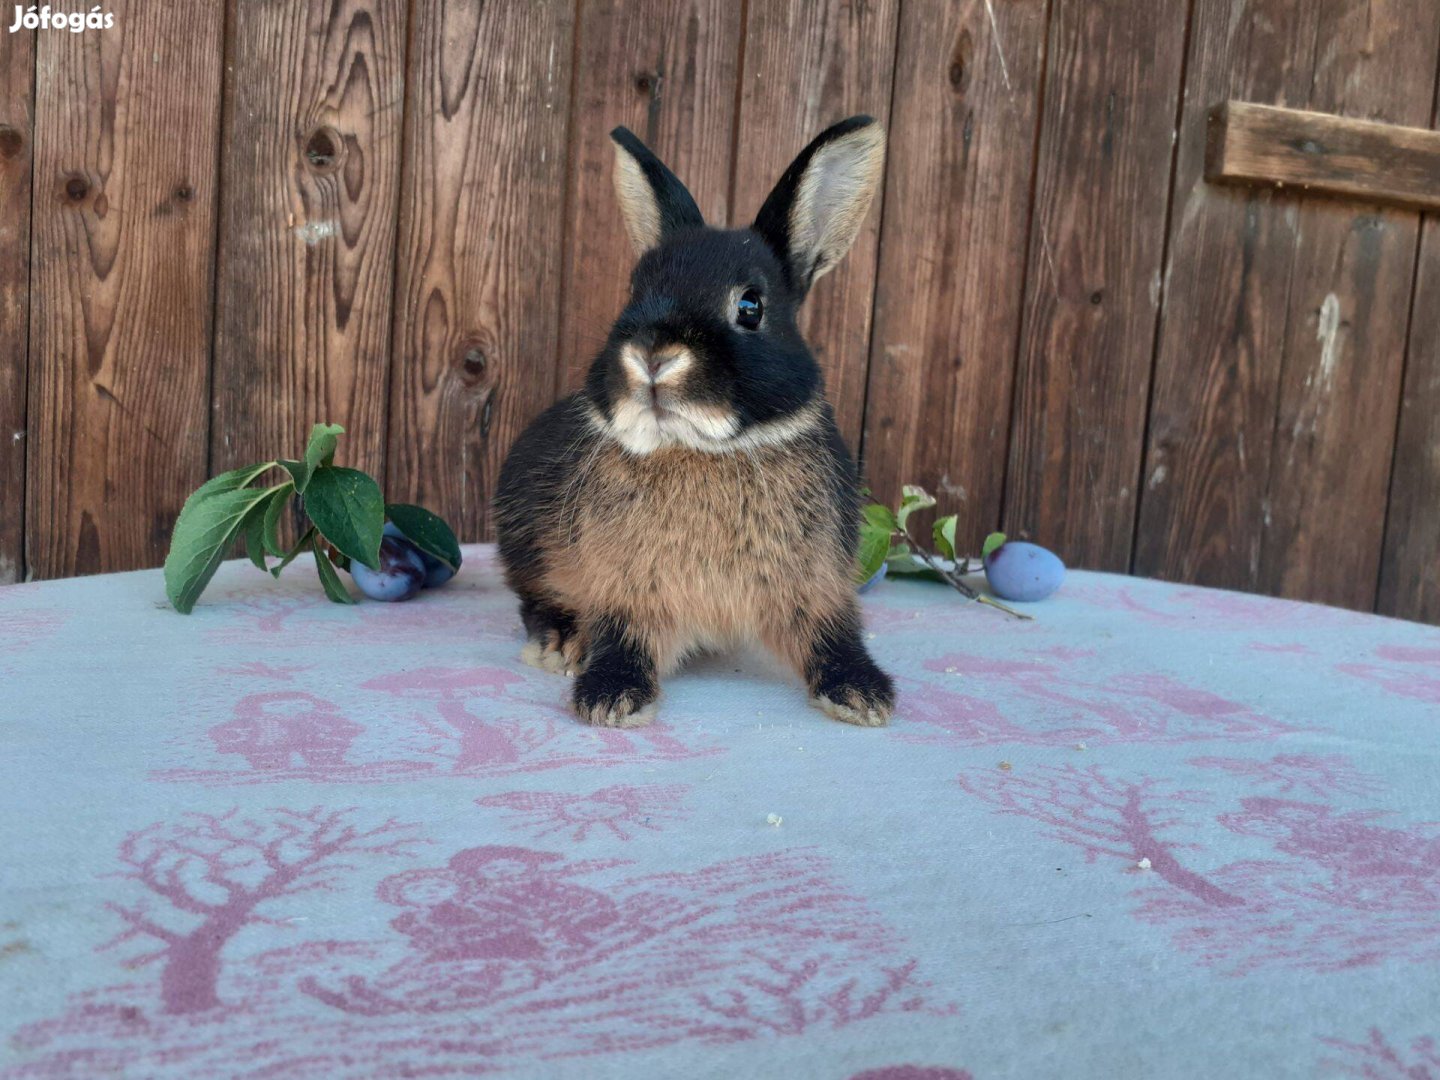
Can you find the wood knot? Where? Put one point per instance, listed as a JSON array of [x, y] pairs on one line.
[[184, 193], [77, 187], [473, 362], [960, 60], [1097, 297], [648, 83], [323, 149], [11, 142]]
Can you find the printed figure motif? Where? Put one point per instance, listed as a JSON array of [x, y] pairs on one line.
[[1409, 671], [500, 957], [1065, 703], [270, 730], [445, 721]]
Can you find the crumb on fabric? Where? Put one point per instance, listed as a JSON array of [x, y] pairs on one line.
[[1081, 746], [1143, 864], [773, 819], [1006, 766]]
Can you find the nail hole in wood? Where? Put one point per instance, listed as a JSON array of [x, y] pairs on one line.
[[1097, 297], [323, 149], [76, 187], [184, 193]]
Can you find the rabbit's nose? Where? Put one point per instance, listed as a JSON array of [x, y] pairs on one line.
[[654, 363]]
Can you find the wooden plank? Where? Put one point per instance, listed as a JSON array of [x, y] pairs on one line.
[[311, 161], [1410, 568], [807, 64], [1092, 292], [667, 71], [1284, 318], [479, 248], [948, 299], [126, 143], [17, 92], [1320, 152]]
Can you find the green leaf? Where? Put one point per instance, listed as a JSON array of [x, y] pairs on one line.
[[903, 562], [296, 469], [205, 532], [319, 452], [912, 498], [253, 530], [270, 537], [880, 516], [426, 531], [874, 547], [993, 541], [300, 545], [232, 480], [944, 534], [329, 579], [348, 509]]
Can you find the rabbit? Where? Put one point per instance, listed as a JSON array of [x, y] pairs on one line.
[[696, 494]]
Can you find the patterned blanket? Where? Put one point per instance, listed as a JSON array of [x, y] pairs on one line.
[[1160, 831]]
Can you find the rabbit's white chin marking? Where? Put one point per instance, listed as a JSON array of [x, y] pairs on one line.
[[641, 428]]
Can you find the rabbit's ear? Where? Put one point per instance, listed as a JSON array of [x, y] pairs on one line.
[[654, 201], [816, 210]]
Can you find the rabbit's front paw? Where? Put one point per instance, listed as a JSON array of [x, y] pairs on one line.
[[556, 651], [609, 698], [860, 694]]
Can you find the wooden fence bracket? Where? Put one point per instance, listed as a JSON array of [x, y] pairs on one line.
[[1359, 159]]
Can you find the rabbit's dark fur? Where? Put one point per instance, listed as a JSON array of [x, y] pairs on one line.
[[696, 493]]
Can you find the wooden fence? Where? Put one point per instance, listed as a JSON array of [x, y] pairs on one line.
[[220, 223]]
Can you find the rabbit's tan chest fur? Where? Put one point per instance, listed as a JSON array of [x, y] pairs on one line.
[[700, 550]]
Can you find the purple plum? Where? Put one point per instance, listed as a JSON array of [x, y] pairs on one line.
[[401, 574], [878, 577], [1023, 572], [437, 573]]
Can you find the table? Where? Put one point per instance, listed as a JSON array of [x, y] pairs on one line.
[[1160, 831]]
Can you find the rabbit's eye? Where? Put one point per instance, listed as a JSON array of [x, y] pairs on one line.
[[749, 310]]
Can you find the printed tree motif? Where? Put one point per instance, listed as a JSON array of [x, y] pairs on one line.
[[1350, 893], [1103, 816], [217, 871], [1318, 774], [970, 720], [621, 809], [912, 1072], [1378, 1059]]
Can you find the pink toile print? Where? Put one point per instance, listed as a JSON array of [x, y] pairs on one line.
[[619, 811]]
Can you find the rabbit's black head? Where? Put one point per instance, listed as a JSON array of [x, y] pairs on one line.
[[707, 352]]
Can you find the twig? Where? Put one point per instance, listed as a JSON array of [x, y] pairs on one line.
[[952, 577]]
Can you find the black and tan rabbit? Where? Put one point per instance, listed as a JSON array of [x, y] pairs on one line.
[[696, 494]]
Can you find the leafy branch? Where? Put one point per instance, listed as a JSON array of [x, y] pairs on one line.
[[886, 540], [347, 518]]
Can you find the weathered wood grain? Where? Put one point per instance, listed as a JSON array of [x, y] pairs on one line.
[[1284, 318], [126, 134], [1249, 143], [1092, 286], [17, 86], [807, 64], [311, 166], [667, 71], [951, 275], [1410, 568], [479, 248]]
